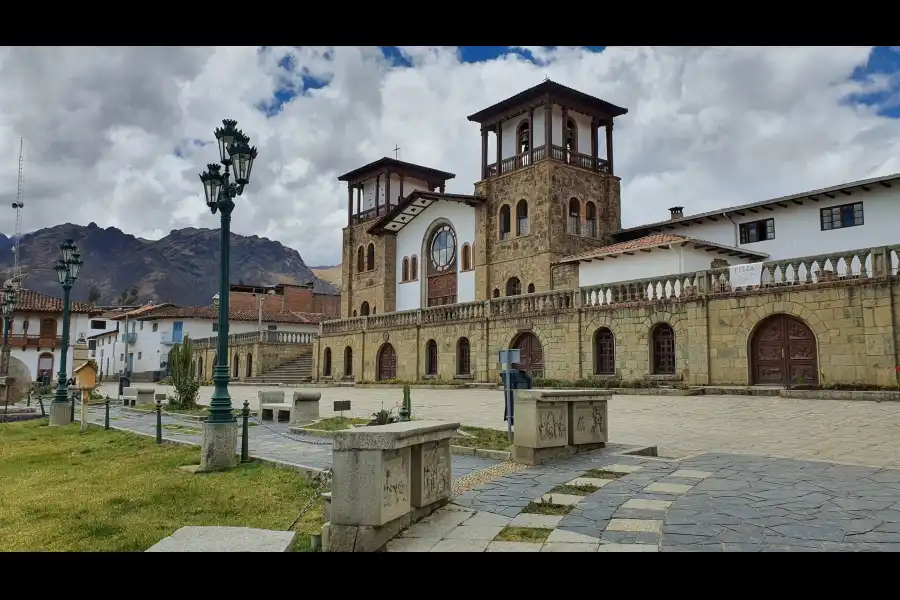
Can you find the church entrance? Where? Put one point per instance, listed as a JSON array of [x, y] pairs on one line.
[[531, 354], [783, 352], [387, 363]]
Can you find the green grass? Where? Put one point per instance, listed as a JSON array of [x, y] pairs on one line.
[[574, 490], [483, 439], [523, 534], [336, 423], [601, 474], [112, 491], [546, 508]]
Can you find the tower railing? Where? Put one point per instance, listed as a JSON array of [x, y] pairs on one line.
[[558, 153]]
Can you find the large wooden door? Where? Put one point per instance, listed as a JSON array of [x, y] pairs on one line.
[[531, 355], [387, 363], [783, 352]]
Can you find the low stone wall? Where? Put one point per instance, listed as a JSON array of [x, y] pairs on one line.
[[865, 395], [385, 478], [254, 357]]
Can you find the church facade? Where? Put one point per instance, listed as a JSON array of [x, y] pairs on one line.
[[434, 284]]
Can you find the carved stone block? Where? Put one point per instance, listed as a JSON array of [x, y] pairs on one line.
[[370, 487], [431, 476], [590, 422]]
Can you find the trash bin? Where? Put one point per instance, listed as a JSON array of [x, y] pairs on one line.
[[124, 382], [518, 380]]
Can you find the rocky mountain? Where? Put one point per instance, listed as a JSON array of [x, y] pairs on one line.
[[182, 267], [330, 274]]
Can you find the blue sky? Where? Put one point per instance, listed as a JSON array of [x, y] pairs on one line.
[[884, 60]]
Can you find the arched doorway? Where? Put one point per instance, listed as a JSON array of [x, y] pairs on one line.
[[235, 367], [200, 368], [45, 367], [249, 365], [531, 354], [441, 266], [387, 363], [783, 352]]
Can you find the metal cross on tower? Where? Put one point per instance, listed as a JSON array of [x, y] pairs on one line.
[[397, 152]]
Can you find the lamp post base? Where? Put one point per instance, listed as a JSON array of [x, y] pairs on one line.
[[60, 413], [218, 450]]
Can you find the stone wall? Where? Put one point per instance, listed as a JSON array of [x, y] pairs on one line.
[[853, 319], [376, 286], [261, 356]]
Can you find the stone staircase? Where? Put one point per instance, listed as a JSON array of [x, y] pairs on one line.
[[293, 372]]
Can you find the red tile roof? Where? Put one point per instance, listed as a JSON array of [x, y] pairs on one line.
[[656, 240], [31, 301], [136, 312], [235, 314]]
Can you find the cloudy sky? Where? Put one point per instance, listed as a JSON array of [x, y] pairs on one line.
[[118, 136]]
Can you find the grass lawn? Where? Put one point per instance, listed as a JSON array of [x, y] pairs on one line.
[[116, 491], [336, 423], [482, 438]]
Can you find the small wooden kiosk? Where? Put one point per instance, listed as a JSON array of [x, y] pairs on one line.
[[85, 382]]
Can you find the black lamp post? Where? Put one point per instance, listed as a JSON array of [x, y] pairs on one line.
[[67, 268], [234, 151], [9, 305]]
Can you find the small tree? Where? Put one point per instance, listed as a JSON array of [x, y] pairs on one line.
[[183, 380], [93, 295]]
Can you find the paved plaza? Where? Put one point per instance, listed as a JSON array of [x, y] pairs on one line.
[[736, 473]]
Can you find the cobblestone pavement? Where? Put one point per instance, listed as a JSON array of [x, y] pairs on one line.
[[706, 503], [839, 431], [271, 441]]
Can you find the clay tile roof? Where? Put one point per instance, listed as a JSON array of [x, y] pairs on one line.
[[655, 240], [31, 301], [142, 310], [235, 314]]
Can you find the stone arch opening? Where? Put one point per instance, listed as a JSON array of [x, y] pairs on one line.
[[604, 352], [531, 354], [783, 351], [386, 363]]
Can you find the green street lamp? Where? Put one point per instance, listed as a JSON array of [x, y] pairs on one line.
[[67, 268], [234, 153], [9, 305]]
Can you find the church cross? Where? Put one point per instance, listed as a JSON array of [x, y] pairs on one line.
[[397, 152]]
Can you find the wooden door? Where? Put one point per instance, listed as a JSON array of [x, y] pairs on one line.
[[387, 363], [531, 355], [783, 351], [48, 329]]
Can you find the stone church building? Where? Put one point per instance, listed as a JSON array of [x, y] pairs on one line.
[[434, 284]]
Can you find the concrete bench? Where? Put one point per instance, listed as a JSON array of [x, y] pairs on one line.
[[303, 409], [134, 395], [553, 423]]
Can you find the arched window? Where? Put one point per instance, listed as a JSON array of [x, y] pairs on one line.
[[48, 328], [604, 352], [496, 292], [463, 360], [513, 286], [522, 218], [354, 312], [348, 361], [590, 219], [404, 276], [249, 365], [442, 266], [431, 358], [530, 288], [360, 260], [236, 366], [466, 258], [504, 222], [364, 309], [523, 137], [370, 258], [574, 221], [662, 349], [200, 368], [414, 268], [326, 363], [570, 139]]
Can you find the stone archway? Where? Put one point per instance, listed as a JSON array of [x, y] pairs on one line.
[[783, 351], [386, 365], [531, 354]]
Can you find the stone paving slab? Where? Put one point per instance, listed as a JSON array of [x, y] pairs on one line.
[[225, 539]]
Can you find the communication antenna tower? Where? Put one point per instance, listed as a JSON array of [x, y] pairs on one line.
[[18, 205]]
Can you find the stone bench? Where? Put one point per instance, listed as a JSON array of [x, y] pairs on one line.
[[303, 409], [134, 396], [385, 477], [552, 423]]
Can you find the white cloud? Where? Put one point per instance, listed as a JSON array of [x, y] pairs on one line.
[[707, 128]]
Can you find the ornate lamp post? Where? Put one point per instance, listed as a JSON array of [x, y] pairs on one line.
[[67, 268], [9, 305], [220, 428]]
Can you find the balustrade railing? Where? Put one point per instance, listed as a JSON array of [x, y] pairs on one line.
[[262, 337], [811, 270]]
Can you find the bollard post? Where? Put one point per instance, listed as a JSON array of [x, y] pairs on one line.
[[106, 416], [159, 421], [245, 431], [41, 402], [72, 416]]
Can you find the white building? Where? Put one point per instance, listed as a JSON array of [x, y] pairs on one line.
[[151, 331], [35, 336]]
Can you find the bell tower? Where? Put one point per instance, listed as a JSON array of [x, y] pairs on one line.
[[550, 186]]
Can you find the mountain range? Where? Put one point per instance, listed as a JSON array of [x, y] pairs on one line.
[[182, 267]]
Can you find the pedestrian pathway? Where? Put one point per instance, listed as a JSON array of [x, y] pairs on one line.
[[604, 501], [268, 441]]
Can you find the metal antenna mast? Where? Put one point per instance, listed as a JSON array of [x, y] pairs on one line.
[[19, 204]]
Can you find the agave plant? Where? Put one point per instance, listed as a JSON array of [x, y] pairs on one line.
[[183, 380]]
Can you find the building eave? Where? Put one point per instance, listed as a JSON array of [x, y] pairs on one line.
[[412, 206]]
